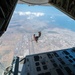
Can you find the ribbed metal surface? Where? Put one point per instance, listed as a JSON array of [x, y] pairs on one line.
[[52, 63]]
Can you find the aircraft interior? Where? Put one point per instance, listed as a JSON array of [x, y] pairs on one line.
[[49, 63]]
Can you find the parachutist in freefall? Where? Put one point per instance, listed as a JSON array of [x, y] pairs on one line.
[[37, 37]]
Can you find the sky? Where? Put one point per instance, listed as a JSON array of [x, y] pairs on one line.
[[52, 16]]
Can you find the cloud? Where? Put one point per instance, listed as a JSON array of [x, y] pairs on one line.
[[53, 20], [28, 13], [51, 17]]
